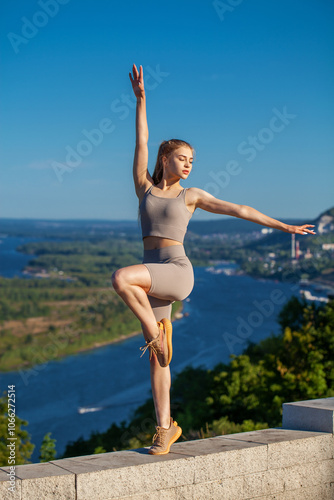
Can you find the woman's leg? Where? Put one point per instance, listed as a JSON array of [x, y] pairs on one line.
[[132, 284], [160, 376], [160, 383]]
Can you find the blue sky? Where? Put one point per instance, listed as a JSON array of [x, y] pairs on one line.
[[248, 83]]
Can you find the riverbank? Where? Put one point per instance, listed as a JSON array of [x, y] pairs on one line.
[[324, 282], [176, 315], [19, 355], [329, 283]]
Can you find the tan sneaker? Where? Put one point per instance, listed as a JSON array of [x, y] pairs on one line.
[[164, 438], [161, 345]]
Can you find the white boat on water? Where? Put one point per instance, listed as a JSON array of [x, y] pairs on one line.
[[88, 409], [308, 296]]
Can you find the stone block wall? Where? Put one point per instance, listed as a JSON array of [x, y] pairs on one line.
[[294, 462]]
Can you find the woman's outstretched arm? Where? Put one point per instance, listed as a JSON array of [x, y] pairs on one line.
[[141, 177], [205, 201]]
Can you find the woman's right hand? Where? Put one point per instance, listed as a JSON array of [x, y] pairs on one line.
[[137, 81]]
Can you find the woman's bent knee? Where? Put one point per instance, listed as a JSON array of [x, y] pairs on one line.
[[117, 280], [132, 275]]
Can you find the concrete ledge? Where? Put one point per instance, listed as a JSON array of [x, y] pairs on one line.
[[317, 414], [278, 463]]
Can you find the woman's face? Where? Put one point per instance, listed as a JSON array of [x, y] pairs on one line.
[[179, 162]]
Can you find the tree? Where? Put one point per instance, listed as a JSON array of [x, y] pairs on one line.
[[23, 446], [295, 365], [47, 451]]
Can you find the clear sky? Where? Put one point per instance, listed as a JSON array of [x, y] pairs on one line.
[[248, 83]]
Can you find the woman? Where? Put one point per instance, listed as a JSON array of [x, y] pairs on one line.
[[166, 274]]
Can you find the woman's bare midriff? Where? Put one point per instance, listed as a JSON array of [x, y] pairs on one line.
[[153, 242]]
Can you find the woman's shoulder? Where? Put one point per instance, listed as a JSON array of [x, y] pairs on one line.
[[143, 190], [193, 193]]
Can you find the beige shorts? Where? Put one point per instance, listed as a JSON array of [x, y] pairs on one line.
[[172, 277], [171, 272]]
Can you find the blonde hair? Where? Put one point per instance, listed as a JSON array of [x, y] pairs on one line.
[[165, 149]]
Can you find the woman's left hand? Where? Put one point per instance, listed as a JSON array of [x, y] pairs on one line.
[[301, 229], [137, 81]]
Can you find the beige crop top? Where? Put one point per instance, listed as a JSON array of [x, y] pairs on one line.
[[164, 217]]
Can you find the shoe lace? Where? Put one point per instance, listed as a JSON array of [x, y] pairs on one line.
[[150, 344], [159, 437]]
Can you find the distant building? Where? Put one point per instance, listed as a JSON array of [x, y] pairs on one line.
[[293, 251], [327, 246], [308, 254], [297, 250], [325, 224]]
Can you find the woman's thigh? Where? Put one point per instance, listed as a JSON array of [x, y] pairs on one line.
[[132, 275], [139, 275], [171, 281]]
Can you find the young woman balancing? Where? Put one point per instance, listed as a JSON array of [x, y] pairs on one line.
[[166, 274]]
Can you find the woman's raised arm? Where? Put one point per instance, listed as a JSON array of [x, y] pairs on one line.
[[141, 177]]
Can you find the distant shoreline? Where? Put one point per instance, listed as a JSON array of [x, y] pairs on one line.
[[176, 316]]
